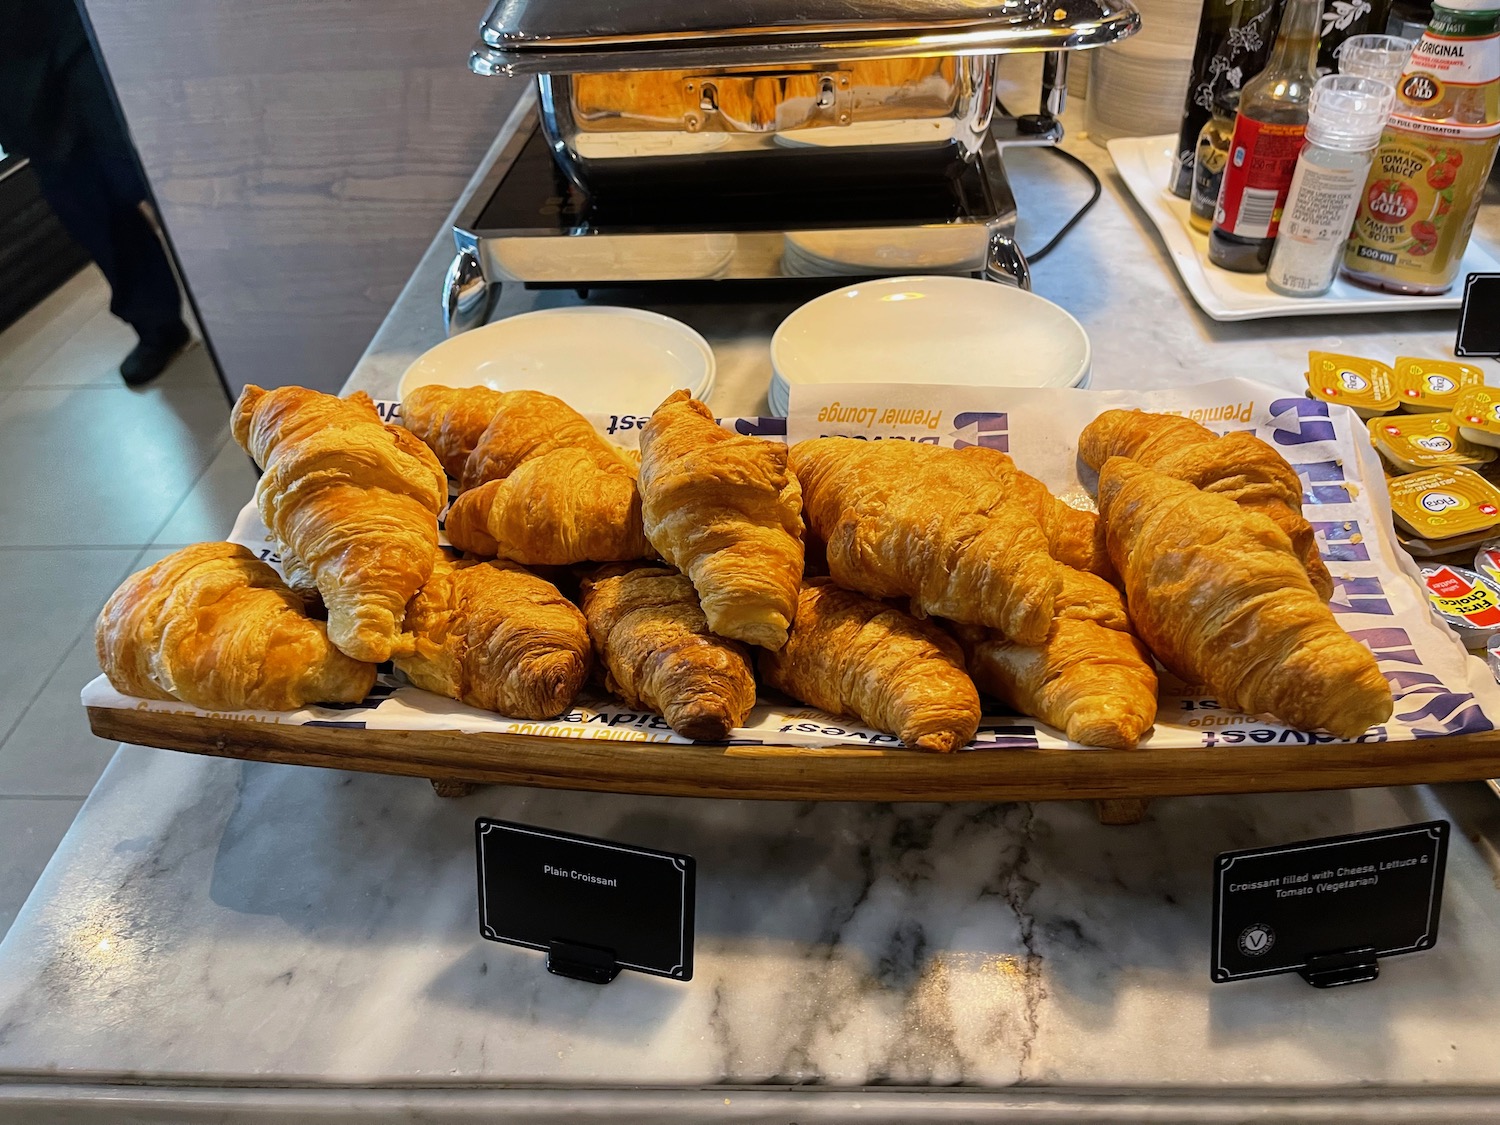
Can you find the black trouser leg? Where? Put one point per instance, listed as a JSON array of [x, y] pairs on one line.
[[97, 197]]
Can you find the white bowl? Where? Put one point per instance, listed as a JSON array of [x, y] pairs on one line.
[[593, 357], [953, 330]]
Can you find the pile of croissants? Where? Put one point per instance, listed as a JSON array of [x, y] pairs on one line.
[[886, 580]]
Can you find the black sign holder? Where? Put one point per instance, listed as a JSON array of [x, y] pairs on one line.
[[1329, 970], [1478, 325], [577, 961], [594, 907], [1328, 909]]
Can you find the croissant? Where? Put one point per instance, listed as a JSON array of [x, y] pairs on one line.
[[658, 653], [496, 636], [450, 420], [213, 626], [724, 510], [1238, 466], [530, 424], [906, 520], [1091, 678], [1219, 596], [354, 500], [1073, 535], [850, 655], [555, 510]]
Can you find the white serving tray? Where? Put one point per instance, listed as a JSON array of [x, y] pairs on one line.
[[1145, 164]]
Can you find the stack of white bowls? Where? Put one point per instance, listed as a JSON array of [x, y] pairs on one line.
[[1137, 87]]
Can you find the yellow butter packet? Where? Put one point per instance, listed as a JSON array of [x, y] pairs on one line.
[[1477, 413], [1367, 385], [1443, 503], [1413, 442], [1433, 384]]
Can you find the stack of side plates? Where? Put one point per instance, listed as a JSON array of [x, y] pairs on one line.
[[593, 357], [839, 253], [779, 396], [941, 330]]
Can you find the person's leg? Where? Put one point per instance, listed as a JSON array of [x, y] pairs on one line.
[[97, 202], [144, 289]]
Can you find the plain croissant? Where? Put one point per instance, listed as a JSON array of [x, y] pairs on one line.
[[530, 424], [1219, 596], [451, 420], [724, 509], [354, 500], [555, 510], [1238, 466], [498, 637], [213, 626], [1073, 535], [906, 520], [851, 655], [658, 652], [1090, 678]]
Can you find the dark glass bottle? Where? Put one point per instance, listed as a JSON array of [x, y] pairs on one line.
[[1213, 155], [1345, 18], [1234, 40], [1269, 132]]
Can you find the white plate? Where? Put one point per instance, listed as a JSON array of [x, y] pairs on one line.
[[954, 330], [1145, 164], [629, 357]]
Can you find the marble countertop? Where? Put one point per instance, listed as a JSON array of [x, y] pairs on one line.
[[240, 942], [213, 924]]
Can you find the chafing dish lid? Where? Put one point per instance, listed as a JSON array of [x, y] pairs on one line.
[[647, 24]]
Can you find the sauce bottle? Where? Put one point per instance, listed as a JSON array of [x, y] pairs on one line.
[[1212, 156], [1268, 134], [1346, 117], [1423, 192], [1234, 38]]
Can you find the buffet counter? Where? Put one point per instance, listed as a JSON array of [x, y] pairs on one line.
[[238, 942]]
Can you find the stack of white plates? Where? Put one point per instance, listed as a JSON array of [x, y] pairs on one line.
[[1138, 86], [596, 358], [859, 134], [942, 330], [838, 253]]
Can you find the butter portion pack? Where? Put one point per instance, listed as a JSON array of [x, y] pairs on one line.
[[1433, 384], [1477, 411], [1410, 443], [1445, 503], [1366, 385]]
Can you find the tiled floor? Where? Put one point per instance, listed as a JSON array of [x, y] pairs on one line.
[[96, 480]]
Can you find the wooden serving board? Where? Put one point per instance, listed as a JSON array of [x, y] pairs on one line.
[[842, 773]]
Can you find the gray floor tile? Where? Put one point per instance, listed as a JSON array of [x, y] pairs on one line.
[[104, 465], [210, 509], [90, 357], [36, 336], [30, 831], [51, 752], [48, 600]]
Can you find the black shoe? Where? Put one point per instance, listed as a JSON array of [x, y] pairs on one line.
[[151, 357]]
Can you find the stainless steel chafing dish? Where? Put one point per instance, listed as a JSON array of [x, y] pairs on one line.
[[675, 141]]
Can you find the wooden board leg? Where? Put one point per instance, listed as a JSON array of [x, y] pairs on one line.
[[1119, 810], [453, 788]]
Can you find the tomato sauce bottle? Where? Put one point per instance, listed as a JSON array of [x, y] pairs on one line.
[[1423, 192]]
